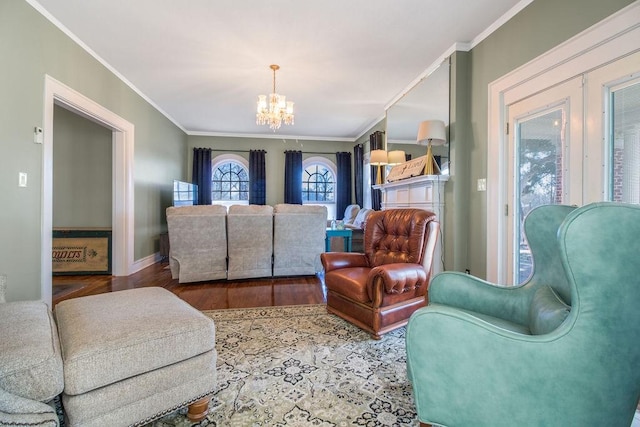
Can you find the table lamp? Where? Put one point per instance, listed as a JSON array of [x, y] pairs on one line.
[[431, 132], [379, 158], [396, 157]]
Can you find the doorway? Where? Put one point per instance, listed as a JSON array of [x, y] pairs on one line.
[[57, 93]]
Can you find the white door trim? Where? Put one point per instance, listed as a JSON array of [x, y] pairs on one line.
[[604, 42], [122, 176]]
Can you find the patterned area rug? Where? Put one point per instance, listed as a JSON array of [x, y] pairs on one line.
[[300, 366]]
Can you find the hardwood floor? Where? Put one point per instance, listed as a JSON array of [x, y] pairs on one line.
[[202, 295]]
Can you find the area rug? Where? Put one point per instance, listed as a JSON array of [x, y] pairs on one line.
[[300, 366]]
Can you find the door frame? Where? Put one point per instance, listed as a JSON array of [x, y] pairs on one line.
[[610, 39], [122, 205]]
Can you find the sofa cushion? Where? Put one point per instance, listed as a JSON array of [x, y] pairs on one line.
[[30, 362], [298, 239], [110, 337], [18, 411], [547, 311], [249, 241]]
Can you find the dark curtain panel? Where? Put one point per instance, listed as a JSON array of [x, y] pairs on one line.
[[358, 176], [293, 177], [202, 174], [257, 178], [343, 193], [407, 157], [375, 143]]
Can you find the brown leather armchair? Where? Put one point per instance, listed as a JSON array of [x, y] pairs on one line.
[[380, 289]]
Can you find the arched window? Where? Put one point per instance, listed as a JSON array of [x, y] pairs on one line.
[[229, 180], [319, 183]]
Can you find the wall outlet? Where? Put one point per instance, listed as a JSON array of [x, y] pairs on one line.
[[482, 184], [22, 179]]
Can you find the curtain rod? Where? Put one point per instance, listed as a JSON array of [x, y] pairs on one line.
[[248, 151]]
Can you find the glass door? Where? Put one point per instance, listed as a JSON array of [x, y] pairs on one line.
[[624, 151], [544, 162], [538, 174]]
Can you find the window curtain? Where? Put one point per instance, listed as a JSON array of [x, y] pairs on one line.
[[293, 177], [201, 174], [257, 178], [343, 181], [375, 143], [358, 176]]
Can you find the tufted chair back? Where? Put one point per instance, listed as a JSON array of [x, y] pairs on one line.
[[398, 236]]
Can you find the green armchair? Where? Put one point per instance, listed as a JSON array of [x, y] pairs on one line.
[[562, 349]]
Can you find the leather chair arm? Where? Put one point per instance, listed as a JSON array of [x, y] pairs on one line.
[[336, 260], [461, 290], [397, 278]]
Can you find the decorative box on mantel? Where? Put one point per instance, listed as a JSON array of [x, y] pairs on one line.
[[421, 192]]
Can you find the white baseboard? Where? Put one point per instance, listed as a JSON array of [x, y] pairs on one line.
[[145, 262]]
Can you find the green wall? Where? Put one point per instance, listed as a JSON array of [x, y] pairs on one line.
[[82, 153], [538, 28], [30, 48]]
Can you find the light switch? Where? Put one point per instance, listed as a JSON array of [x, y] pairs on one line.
[[38, 135], [482, 184], [22, 179]]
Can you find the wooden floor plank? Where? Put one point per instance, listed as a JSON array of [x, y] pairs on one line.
[[212, 295]]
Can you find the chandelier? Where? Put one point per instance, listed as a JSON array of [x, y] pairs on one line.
[[277, 110]]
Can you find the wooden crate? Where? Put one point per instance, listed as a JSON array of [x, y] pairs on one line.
[[81, 251]]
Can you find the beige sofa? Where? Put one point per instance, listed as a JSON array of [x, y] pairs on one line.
[[30, 364], [249, 241], [120, 358]]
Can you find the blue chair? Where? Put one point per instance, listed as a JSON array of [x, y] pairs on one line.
[[562, 349]]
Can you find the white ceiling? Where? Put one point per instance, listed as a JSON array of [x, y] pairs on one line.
[[203, 62]]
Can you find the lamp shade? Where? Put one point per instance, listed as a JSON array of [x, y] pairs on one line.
[[396, 157], [378, 157], [432, 131]]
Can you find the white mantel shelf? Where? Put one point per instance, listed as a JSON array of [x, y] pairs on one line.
[[422, 192]]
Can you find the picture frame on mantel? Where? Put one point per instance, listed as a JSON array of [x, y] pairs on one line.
[[407, 169]]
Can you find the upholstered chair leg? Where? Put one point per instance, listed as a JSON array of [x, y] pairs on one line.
[[198, 409]]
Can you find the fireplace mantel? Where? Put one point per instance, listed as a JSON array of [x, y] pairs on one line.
[[422, 192]]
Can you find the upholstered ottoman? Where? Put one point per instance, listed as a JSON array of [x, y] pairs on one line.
[[132, 356]]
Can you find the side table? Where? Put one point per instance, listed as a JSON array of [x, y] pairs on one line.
[[345, 234]]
